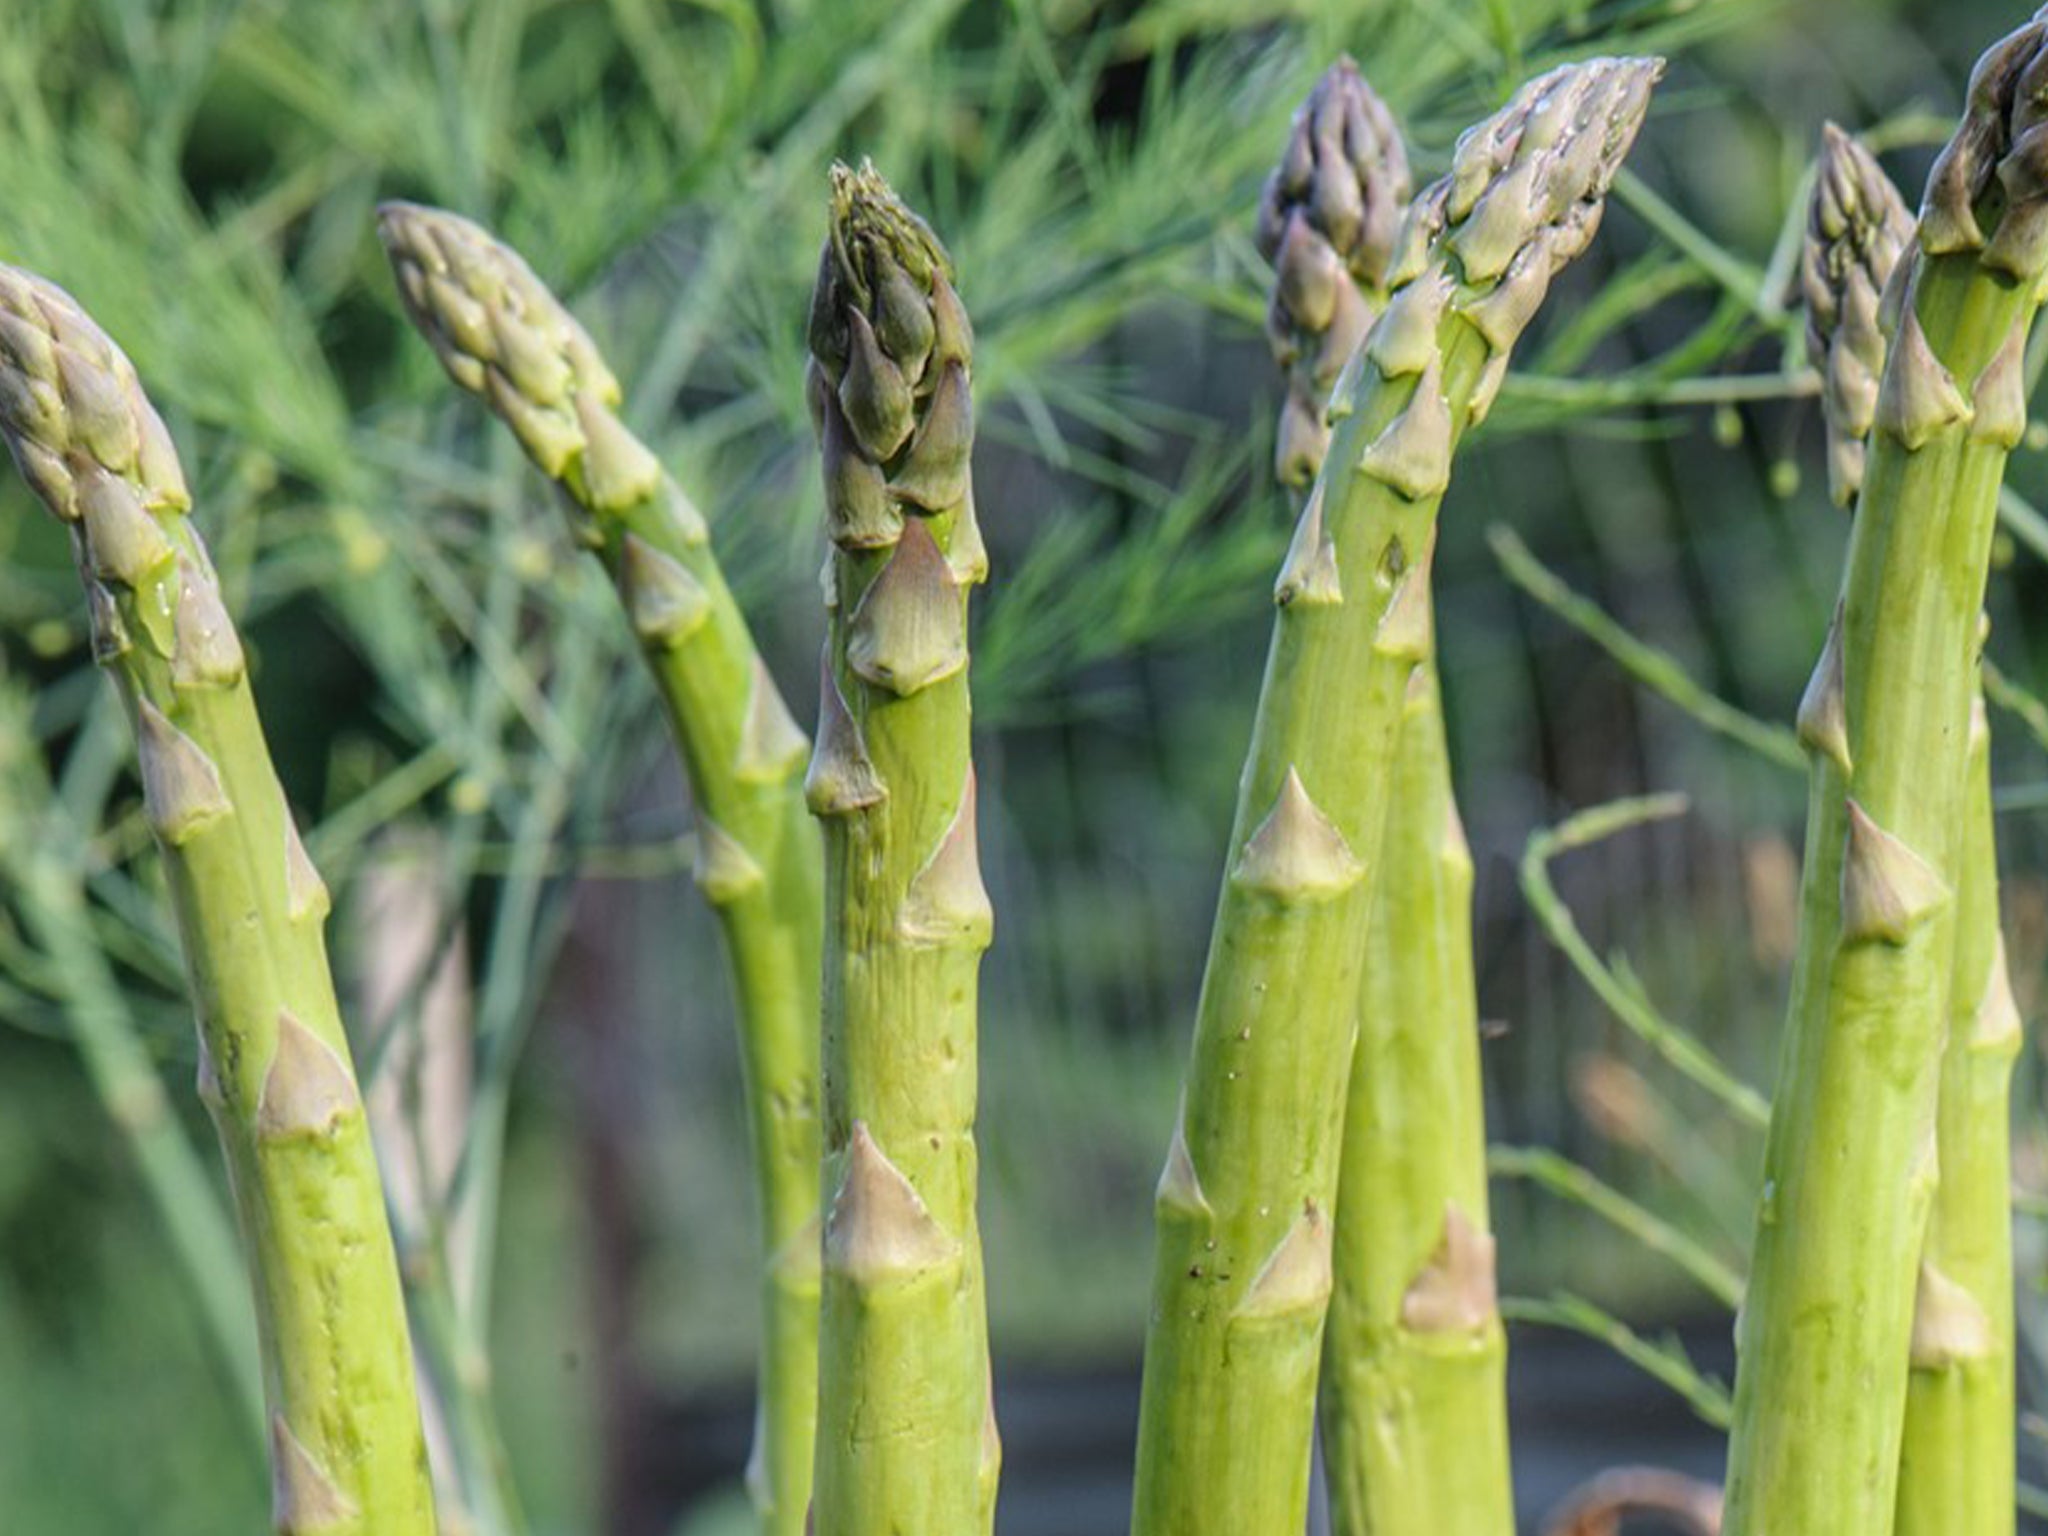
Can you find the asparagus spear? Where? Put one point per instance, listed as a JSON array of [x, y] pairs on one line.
[[1244, 1250], [504, 337], [50, 894], [906, 1434], [346, 1449], [1414, 1408], [1850, 1166], [1956, 1459]]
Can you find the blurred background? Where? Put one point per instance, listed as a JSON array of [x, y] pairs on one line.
[[459, 720]]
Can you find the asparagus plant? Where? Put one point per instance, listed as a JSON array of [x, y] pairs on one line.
[[1851, 1161], [1414, 1408], [501, 335], [906, 1438], [1956, 1459], [346, 1448], [1244, 1268]]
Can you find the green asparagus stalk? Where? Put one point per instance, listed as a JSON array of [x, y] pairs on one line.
[[50, 894], [1244, 1267], [501, 335], [1851, 1163], [1956, 1461], [1414, 1413], [346, 1449], [906, 1432]]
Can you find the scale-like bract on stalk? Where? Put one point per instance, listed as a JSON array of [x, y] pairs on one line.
[[1243, 1273], [1327, 221], [1414, 1406], [906, 1432], [503, 336], [1828, 1325], [347, 1456]]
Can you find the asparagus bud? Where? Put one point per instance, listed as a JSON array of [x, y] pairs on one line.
[[1327, 221], [906, 1436], [890, 353], [1232, 1353], [1862, 1113], [501, 335], [347, 1451], [1857, 226]]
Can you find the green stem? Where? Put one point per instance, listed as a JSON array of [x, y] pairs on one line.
[[502, 335], [1956, 1464], [52, 904], [906, 1433], [347, 1454], [1414, 1412], [1849, 1171], [1244, 1266]]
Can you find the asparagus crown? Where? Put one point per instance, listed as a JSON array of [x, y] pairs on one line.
[[1327, 220], [504, 337], [93, 448], [1995, 168], [1523, 197], [76, 420], [889, 383], [1857, 226]]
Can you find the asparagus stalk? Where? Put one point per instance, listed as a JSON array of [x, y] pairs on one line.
[[346, 1449], [1244, 1248], [1414, 1408], [501, 335], [1850, 1166], [1956, 1462], [50, 894], [906, 1436]]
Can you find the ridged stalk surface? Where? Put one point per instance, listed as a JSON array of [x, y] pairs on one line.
[[1851, 1162], [346, 1449], [1413, 1407], [504, 337], [906, 1432], [1244, 1265]]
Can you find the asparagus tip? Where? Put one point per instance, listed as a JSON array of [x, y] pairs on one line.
[[497, 329], [1857, 227]]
